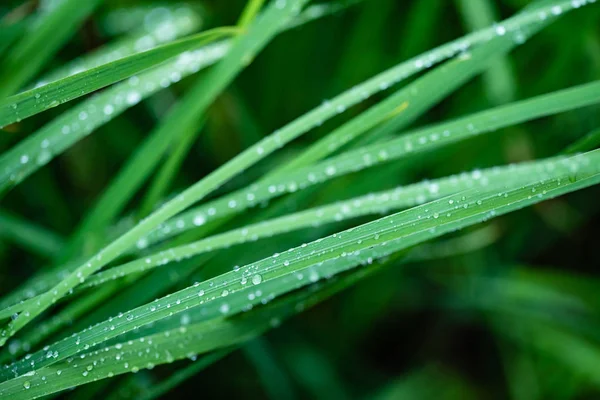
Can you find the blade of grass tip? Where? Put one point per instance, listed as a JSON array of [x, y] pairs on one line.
[[586, 143], [64, 131], [29, 236], [499, 80], [34, 101], [410, 144], [374, 203], [228, 294], [171, 25], [42, 40], [243, 50]]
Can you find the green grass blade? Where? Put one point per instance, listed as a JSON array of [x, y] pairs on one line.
[[31, 102], [371, 204], [60, 134], [265, 27], [174, 24], [237, 290], [43, 38], [586, 143], [168, 170], [499, 80], [252, 8], [35, 238], [407, 104], [415, 142], [73, 125]]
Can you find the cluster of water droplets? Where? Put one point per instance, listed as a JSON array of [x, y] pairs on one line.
[[84, 118], [310, 262]]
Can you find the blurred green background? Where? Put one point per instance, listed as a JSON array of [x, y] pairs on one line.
[[513, 314]]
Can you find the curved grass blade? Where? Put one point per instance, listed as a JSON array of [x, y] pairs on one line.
[[264, 28], [499, 80], [73, 125], [171, 25], [406, 145], [37, 150], [375, 203], [241, 289], [172, 344], [420, 140], [35, 238], [258, 152], [43, 39], [31, 102]]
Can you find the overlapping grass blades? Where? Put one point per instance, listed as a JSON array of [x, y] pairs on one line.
[[264, 28], [43, 38], [31, 102], [224, 310], [239, 290]]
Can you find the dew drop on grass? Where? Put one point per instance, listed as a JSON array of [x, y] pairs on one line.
[[257, 279]]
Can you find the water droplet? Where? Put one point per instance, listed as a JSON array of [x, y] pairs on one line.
[[256, 279]]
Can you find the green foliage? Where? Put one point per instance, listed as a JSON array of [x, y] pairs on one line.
[[148, 217]]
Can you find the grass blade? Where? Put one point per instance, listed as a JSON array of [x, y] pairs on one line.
[[34, 101], [406, 145], [43, 39], [228, 294], [265, 27]]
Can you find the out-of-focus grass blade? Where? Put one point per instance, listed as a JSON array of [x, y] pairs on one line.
[[171, 24], [31, 102], [161, 388], [43, 38], [56, 137], [499, 80], [241, 289], [586, 143], [168, 170], [32, 237]]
